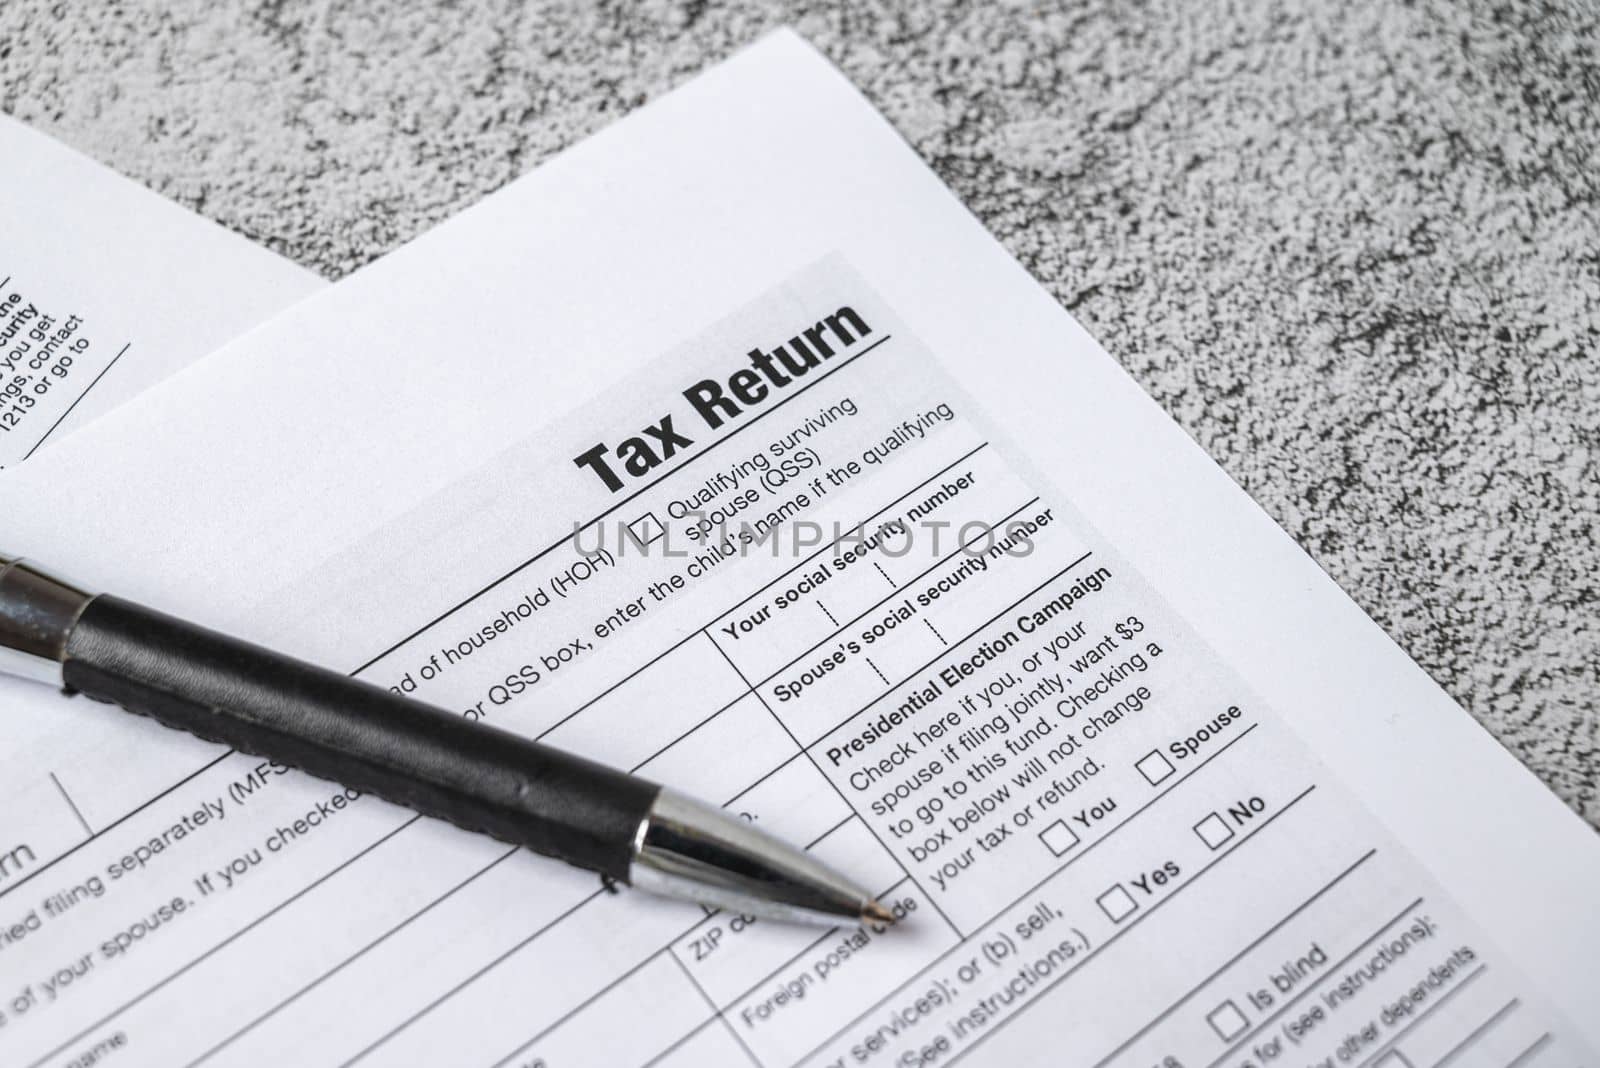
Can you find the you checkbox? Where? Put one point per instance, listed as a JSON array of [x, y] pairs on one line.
[[1155, 767], [1058, 838], [1117, 903], [1227, 1021], [647, 528], [1213, 831]]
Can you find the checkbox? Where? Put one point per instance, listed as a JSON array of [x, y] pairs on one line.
[[1227, 1021], [1058, 838], [647, 528], [1213, 831], [1155, 767], [1393, 1059], [1117, 903]]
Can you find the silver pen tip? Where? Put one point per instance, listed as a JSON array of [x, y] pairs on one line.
[[877, 911], [687, 849]]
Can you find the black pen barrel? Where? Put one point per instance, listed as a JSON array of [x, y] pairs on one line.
[[335, 727]]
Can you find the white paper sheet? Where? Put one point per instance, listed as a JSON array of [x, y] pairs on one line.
[[1213, 816], [106, 288]]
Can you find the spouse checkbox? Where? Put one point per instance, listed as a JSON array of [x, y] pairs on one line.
[[1227, 1021], [1154, 767], [1058, 837], [1213, 831], [1117, 903]]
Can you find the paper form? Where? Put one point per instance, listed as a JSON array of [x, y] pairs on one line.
[[106, 288], [1146, 788]]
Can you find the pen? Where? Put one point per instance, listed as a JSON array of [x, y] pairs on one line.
[[437, 763]]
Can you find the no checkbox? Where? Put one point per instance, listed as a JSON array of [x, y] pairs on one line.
[[1058, 837], [647, 528], [1117, 903], [1155, 767], [1213, 831], [1227, 1021]]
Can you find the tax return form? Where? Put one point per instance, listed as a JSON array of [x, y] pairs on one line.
[[106, 287], [729, 448]]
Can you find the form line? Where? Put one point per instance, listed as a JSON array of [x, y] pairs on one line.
[[240, 933], [1423, 1015], [1478, 1032], [73, 805], [75, 403], [53, 861], [448, 994], [351, 959], [737, 1037], [677, 1043], [1523, 1057]]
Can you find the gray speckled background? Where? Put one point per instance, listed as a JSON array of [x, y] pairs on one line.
[[1353, 247]]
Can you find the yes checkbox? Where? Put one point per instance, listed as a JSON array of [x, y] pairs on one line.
[[1155, 767], [1227, 1021], [1213, 831], [1117, 903], [647, 528], [1058, 838]]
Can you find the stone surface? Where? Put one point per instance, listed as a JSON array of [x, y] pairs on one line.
[[1352, 247]]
